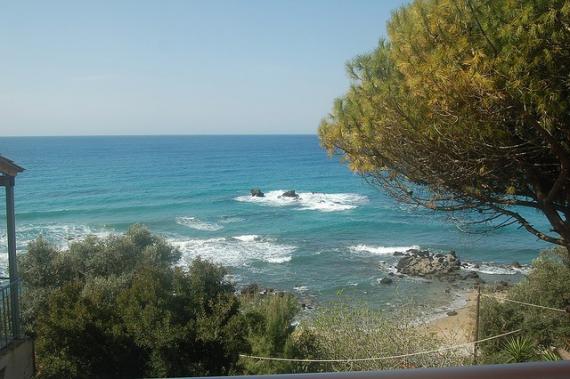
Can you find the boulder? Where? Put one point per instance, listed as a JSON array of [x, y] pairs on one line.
[[291, 194], [452, 313], [256, 192], [516, 264], [425, 264]]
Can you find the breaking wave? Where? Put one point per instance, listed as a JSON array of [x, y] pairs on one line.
[[234, 251], [316, 201], [197, 224], [380, 250], [496, 269]]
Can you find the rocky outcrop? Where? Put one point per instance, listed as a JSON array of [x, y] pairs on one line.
[[256, 192], [291, 194], [425, 264]]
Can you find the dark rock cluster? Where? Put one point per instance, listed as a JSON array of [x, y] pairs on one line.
[[430, 265]]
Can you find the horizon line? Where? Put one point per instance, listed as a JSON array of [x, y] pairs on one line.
[[163, 135]]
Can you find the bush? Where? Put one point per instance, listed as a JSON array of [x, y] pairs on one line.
[[117, 307], [344, 331], [270, 326], [548, 284]]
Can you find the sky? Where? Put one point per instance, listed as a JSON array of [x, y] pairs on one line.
[[179, 67]]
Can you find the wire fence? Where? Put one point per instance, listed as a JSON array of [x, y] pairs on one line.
[[400, 356], [567, 310]]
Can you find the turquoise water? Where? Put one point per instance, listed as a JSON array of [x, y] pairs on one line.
[[194, 190]]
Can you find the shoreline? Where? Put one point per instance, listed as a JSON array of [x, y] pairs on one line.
[[459, 328]]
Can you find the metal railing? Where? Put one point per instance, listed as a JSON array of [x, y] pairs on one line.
[[530, 370], [9, 316]]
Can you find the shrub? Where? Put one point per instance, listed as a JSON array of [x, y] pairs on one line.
[[270, 326], [341, 331], [117, 307], [548, 284]]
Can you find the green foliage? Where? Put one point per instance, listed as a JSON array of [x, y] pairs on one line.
[[270, 318], [519, 349], [549, 355], [117, 307], [465, 106], [548, 284], [342, 331]]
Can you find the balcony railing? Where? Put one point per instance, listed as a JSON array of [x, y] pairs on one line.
[[531, 370], [9, 316]]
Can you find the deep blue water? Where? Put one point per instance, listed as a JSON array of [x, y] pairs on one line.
[[194, 191]]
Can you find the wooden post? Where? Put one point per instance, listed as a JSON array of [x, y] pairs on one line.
[[12, 263], [477, 305]]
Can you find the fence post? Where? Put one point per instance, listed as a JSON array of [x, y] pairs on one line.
[[477, 306]]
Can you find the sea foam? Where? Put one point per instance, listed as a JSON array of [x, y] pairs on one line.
[[380, 250], [496, 269], [197, 224], [316, 201], [60, 235], [234, 251]]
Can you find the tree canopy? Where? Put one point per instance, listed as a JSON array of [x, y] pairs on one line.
[[466, 106], [118, 308]]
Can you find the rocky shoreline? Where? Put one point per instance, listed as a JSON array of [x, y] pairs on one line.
[[428, 265]]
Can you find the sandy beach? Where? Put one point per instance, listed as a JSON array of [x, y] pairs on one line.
[[459, 328]]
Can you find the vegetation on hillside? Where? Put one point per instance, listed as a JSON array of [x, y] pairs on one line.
[[118, 307], [465, 106], [548, 284]]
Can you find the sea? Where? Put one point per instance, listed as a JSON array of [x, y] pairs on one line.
[[335, 243]]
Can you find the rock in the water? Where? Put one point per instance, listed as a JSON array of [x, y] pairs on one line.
[[386, 281], [452, 313], [256, 192], [425, 264], [516, 264], [290, 193]]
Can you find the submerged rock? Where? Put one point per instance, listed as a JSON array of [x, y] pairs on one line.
[[290, 193], [256, 192], [425, 264], [386, 281]]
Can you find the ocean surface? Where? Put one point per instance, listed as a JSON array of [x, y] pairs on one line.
[[336, 240]]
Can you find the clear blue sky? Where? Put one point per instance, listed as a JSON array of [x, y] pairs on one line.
[[178, 67]]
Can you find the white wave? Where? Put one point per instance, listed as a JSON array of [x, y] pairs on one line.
[[380, 250], [248, 238], [316, 201], [301, 289], [230, 220], [495, 269], [197, 224], [278, 259], [60, 235], [234, 252]]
